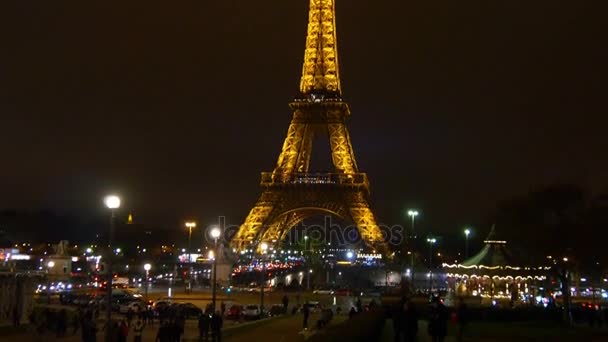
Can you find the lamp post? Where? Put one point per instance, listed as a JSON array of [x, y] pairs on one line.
[[147, 267], [412, 214], [190, 225], [307, 257], [49, 266], [215, 234], [112, 202], [431, 242], [467, 232], [263, 248]]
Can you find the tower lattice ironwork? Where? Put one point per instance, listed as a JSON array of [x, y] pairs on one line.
[[291, 193]]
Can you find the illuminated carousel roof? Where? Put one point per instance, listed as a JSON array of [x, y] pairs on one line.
[[494, 259]]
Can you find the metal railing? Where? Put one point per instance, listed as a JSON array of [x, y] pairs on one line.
[[355, 179]]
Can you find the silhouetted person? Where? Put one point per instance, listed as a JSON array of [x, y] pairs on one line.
[[285, 303], [306, 312], [409, 319], [438, 321], [462, 315], [216, 326], [398, 326], [138, 328], [359, 305], [352, 312], [203, 327], [62, 323], [164, 333], [123, 331], [16, 317]]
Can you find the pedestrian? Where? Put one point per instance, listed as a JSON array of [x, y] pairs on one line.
[[285, 303], [150, 315], [438, 320], [398, 320], [164, 333], [123, 331], [62, 323], [129, 316], [306, 312], [223, 308], [88, 328], [352, 312], [138, 328], [409, 318], [359, 305], [16, 316], [203, 327], [462, 316], [216, 326]]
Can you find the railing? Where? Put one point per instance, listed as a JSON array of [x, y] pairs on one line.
[[355, 179]]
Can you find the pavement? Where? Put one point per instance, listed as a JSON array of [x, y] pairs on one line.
[[282, 328]]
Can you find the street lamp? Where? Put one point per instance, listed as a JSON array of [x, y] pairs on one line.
[[467, 232], [263, 248], [49, 266], [215, 234], [112, 202], [431, 242], [147, 267], [413, 214], [190, 225]]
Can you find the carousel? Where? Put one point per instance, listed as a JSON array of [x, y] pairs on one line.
[[494, 274]]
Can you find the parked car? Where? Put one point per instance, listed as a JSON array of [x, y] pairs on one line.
[[252, 311], [313, 306], [276, 310], [323, 291], [135, 305], [189, 310], [342, 292], [234, 312], [161, 304]]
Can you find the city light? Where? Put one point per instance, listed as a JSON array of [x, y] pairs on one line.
[[147, 267], [50, 264], [412, 213], [467, 232], [112, 202], [215, 232]]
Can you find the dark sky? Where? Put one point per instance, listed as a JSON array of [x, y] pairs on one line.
[[179, 105]]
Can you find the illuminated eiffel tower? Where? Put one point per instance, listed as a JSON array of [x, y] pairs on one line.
[[291, 193]]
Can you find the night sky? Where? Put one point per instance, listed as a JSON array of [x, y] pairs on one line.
[[178, 106]]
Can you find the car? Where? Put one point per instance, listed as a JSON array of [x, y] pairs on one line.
[[252, 311], [135, 306], [235, 312], [161, 305], [189, 309], [276, 310], [323, 291], [313, 306], [342, 292]]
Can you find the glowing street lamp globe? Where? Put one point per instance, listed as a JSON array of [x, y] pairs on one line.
[[147, 267], [349, 255], [50, 264], [112, 202], [216, 232], [467, 232]]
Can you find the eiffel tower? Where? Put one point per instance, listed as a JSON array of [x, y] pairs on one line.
[[291, 193]]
